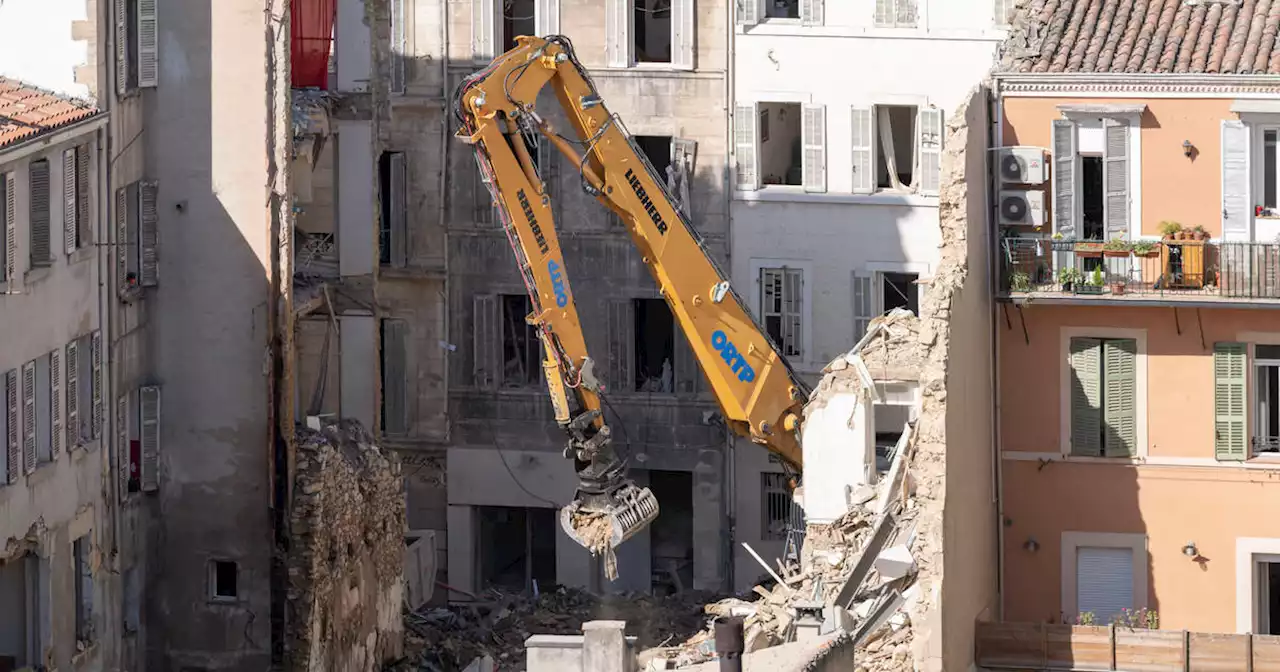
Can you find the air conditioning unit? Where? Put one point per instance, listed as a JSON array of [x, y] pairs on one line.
[[1022, 165], [1022, 208]]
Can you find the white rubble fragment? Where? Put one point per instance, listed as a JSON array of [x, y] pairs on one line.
[[894, 562]]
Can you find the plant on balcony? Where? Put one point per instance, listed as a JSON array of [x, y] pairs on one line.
[[1093, 284], [1087, 249], [1116, 247], [1198, 232], [1145, 248], [1069, 277], [1019, 281], [1170, 230]]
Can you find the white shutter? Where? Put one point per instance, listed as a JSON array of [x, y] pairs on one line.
[[1237, 210], [1064, 185], [399, 211], [682, 34], [69, 200], [546, 17], [617, 33], [149, 436], [72, 389], [11, 424], [484, 29], [863, 308], [97, 383], [148, 235], [398, 46], [55, 403], [746, 142], [748, 12], [1116, 177], [814, 131], [811, 12], [1104, 581], [86, 233], [9, 215], [123, 459], [863, 141], [29, 415], [929, 127], [148, 44], [121, 8]]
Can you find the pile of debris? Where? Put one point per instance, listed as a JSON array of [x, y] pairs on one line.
[[497, 625]]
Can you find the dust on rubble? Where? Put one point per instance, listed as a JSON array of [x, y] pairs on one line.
[[446, 640]]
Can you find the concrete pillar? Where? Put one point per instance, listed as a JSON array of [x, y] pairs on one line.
[[708, 518], [462, 557], [604, 647]]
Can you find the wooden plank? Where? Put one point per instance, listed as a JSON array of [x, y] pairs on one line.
[[1148, 650], [1266, 653], [1078, 647], [1214, 652], [1038, 646]]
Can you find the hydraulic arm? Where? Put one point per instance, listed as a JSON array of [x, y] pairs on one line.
[[758, 392]]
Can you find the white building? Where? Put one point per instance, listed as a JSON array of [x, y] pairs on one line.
[[839, 113]]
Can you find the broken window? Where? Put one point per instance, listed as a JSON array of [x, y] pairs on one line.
[[657, 149], [517, 546], [655, 339], [896, 146], [651, 41], [82, 565], [224, 580], [780, 308], [776, 507], [782, 9], [898, 290], [671, 533], [24, 611], [393, 227], [521, 347], [781, 153], [517, 19], [896, 13]]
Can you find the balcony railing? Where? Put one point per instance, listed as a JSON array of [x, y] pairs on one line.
[[1173, 269]]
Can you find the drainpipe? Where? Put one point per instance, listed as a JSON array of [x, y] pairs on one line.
[[730, 485], [995, 139], [442, 220]]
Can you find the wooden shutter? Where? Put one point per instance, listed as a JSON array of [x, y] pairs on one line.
[[1064, 184], [29, 415], [1086, 397], [546, 17], [1237, 205], [122, 237], [682, 34], [69, 230], [746, 143], [748, 12], [84, 382], [7, 220], [929, 126], [41, 250], [148, 235], [148, 44], [11, 424], [4, 428], [814, 131], [83, 226], [72, 390], [398, 46], [149, 436], [399, 211], [97, 383], [395, 383], [1116, 174], [484, 29], [55, 403], [1104, 581], [622, 325], [1230, 438], [1119, 398], [122, 46], [863, 142], [133, 248], [486, 337], [863, 308], [811, 12], [617, 33], [123, 457]]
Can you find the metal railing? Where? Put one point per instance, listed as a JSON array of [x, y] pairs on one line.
[[1174, 268]]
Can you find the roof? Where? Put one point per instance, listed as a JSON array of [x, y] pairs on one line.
[[27, 111], [1230, 37]]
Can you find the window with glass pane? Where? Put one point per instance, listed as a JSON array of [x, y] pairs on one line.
[[1270, 139], [1266, 419]]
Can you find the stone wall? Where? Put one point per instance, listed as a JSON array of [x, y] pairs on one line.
[[346, 558]]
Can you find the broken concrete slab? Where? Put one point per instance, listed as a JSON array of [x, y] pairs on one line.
[[894, 562]]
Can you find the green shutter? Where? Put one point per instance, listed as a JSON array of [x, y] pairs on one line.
[[1119, 367], [1086, 396], [1229, 373]]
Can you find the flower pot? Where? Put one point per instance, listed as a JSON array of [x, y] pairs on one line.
[[1115, 253], [1117, 288], [1149, 254], [1182, 235]]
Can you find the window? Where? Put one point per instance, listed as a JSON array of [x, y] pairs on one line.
[[137, 237], [651, 41], [657, 149], [1091, 177], [395, 376], [76, 229], [781, 292], [136, 44], [517, 19], [224, 581], [1270, 176], [521, 347], [1103, 397], [82, 380], [896, 14], [780, 144], [497, 23], [25, 619], [895, 155], [649, 32], [1003, 9], [393, 229], [1266, 585], [1104, 582], [1266, 418], [776, 507], [782, 9], [655, 341], [41, 254], [517, 547], [907, 142], [781, 154], [899, 290], [83, 577]]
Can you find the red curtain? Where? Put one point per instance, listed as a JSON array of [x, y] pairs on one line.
[[312, 39]]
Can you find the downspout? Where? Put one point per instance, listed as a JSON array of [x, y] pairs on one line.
[[442, 215], [995, 139], [729, 483]]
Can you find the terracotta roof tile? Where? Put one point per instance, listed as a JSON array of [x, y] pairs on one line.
[[27, 111], [1145, 36]]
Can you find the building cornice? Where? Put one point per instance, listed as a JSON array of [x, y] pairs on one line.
[[1152, 84]]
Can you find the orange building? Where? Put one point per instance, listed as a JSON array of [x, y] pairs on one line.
[[1138, 329]]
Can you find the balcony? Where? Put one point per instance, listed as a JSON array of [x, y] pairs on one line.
[[1190, 271]]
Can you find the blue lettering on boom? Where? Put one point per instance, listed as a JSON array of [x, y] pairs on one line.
[[731, 356], [557, 283]]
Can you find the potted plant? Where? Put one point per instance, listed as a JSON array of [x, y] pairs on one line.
[[1116, 247], [1169, 229], [1092, 284], [1088, 249], [1068, 277], [1019, 281], [1117, 285], [1198, 233], [1145, 248]]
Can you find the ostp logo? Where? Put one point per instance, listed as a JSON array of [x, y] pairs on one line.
[[557, 283], [731, 356]]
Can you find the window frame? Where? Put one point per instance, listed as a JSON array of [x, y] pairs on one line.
[[895, 25], [1139, 336], [756, 265], [1080, 118], [1252, 415], [213, 595], [1072, 541], [768, 488], [503, 327], [1257, 169], [546, 20]]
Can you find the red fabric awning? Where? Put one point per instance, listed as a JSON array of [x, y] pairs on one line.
[[311, 29]]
